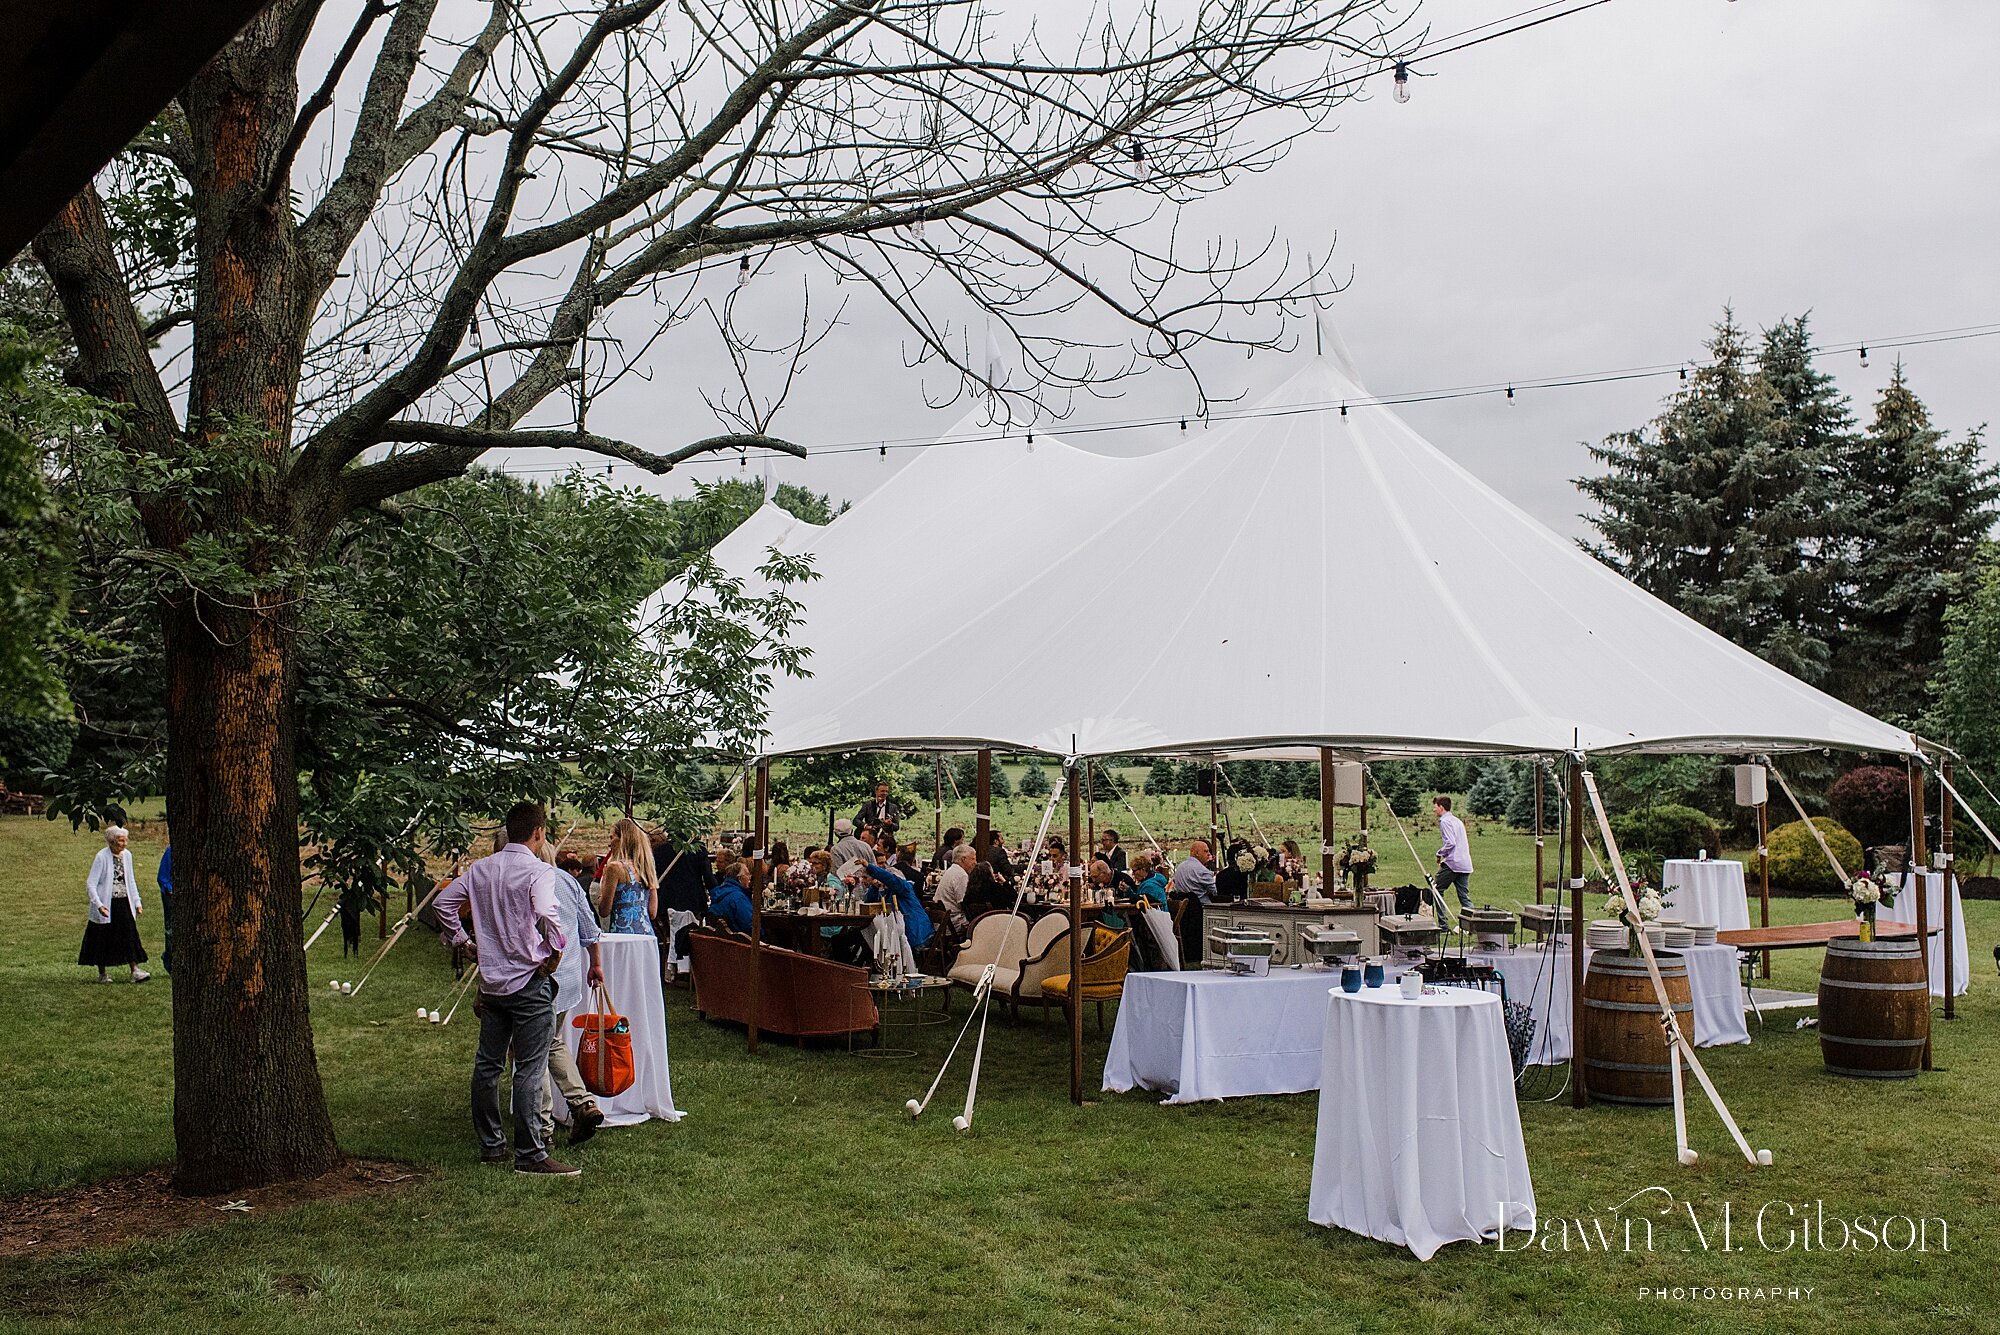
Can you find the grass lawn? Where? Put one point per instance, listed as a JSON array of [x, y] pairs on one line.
[[797, 1195]]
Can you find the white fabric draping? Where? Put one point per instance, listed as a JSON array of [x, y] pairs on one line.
[[1540, 980], [1904, 910], [1530, 644], [1419, 1141], [886, 937], [632, 977], [1706, 891], [1207, 1034], [1162, 927]]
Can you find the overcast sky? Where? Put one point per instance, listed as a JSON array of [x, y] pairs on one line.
[[1582, 197]]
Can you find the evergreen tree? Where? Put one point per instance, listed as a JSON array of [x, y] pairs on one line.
[[1965, 712], [1163, 779], [1034, 780], [1281, 778], [1492, 790], [1725, 505], [1401, 786], [1446, 774], [1521, 804], [1926, 504], [965, 775]]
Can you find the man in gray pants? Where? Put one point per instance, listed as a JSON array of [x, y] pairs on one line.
[[517, 935]]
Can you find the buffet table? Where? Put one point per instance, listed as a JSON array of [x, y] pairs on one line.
[[1705, 892], [632, 976], [1419, 1141], [1208, 1034], [1540, 980], [1905, 911]]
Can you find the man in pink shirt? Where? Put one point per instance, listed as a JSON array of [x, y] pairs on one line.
[[517, 935]]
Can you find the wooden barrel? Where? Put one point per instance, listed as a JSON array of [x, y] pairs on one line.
[[1624, 1047], [1874, 1009]]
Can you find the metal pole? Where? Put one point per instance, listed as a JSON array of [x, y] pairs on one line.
[[1950, 874], [1920, 866], [1538, 829], [1075, 946], [937, 834], [982, 802], [1089, 850], [1579, 1096], [1326, 821], [1764, 870], [757, 848]]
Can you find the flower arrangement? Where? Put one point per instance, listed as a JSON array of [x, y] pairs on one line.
[[1868, 895], [1649, 909], [1356, 860]]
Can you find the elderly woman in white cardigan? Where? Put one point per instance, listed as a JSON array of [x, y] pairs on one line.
[[111, 935]]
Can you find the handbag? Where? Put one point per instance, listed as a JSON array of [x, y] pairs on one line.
[[604, 1055]]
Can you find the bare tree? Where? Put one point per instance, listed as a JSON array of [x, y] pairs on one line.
[[414, 263]]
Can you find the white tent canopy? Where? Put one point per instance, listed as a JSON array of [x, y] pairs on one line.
[[1299, 578]]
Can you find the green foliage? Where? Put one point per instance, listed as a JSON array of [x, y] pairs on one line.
[[1669, 831], [965, 773], [1491, 791], [1401, 785], [1446, 774], [1034, 780], [1163, 779], [1797, 863], [1521, 800], [1874, 802], [1965, 706]]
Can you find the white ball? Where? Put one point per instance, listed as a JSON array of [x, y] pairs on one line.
[[960, 1124], [347, 988], [1764, 1158], [436, 1018], [1689, 1156], [423, 1014], [914, 1107], [333, 983]]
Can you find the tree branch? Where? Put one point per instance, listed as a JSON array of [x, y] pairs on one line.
[[281, 170]]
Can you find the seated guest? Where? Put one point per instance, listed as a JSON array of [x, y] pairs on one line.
[[729, 901], [1051, 876], [1291, 863], [906, 866], [917, 927], [947, 852], [781, 862], [1150, 882], [803, 875], [996, 853], [1103, 876], [1108, 849], [846, 847], [1193, 875], [954, 883], [1232, 878], [985, 892]]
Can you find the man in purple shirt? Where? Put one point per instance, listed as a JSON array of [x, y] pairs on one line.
[[1454, 861], [517, 935]]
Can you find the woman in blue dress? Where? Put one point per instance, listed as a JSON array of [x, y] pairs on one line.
[[630, 895]]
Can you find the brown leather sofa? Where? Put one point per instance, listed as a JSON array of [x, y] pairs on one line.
[[803, 996]]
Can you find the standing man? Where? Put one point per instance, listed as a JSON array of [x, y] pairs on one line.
[[517, 936], [848, 847], [1454, 861], [165, 877], [579, 925], [881, 811]]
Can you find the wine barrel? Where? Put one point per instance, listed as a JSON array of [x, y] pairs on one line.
[[1625, 1057], [1874, 1009]]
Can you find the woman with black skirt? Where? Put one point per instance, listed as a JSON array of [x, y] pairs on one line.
[[111, 936]]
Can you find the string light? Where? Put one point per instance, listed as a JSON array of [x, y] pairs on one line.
[[1343, 410], [1136, 151], [1402, 82], [1864, 354], [743, 272], [1184, 424], [1510, 393]]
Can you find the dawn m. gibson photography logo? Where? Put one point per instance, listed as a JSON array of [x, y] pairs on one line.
[[1652, 1219]]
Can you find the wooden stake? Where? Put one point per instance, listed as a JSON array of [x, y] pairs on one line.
[[1579, 1096], [1950, 874]]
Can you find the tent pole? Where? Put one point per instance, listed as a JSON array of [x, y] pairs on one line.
[[1919, 866], [1538, 829], [1075, 946], [1950, 874], [757, 846], [1579, 1096], [982, 804], [1214, 787], [1326, 823], [1089, 850], [1764, 869], [937, 835]]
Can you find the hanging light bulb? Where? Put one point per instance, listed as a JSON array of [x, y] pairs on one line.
[[1684, 375], [1510, 393], [1864, 354], [743, 271], [917, 228], [882, 450], [1136, 151], [1184, 424], [1402, 82], [1343, 410]]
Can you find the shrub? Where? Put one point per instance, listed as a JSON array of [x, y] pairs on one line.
[[1667, 831], [1874, 802], [1798, 865]]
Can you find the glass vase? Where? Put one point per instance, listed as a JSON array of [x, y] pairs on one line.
[[1867, 929]]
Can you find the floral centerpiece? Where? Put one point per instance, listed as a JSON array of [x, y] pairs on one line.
[[1355, 861], [1868, 896], [1649, 909]]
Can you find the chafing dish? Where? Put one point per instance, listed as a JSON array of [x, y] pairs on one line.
[[1330, 945], [1408, 936], [1490, 928], [1542, 921], [1243, 950]]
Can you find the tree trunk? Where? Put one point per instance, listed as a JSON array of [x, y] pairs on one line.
[[248, 1108]]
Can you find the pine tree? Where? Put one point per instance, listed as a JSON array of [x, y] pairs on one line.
[[1447, 775], [1965, 711], [1521, 805], [1926, 503], [1492, 790], [1034, 780], [1163, 779], [1724, 506]]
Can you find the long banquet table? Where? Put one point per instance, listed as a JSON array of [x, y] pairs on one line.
[[1540, 978], [1208, 1034], [1419, 1139]]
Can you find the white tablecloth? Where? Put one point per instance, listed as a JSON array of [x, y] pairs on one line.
[[1206, 1034], [1540, 980], [1905, 910], [1711, 891], [632, 976], [1419, 1141]]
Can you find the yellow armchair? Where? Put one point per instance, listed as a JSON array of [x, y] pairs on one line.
[[1104, 969]]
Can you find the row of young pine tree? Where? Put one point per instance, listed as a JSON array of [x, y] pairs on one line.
[[1759, 504]]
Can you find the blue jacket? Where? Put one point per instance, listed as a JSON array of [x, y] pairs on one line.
[[166, 874], [1154, 887], [730, 902], [916, 923]]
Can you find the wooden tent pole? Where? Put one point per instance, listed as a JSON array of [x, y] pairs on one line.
[[1326, 822], [1538, 830], [1764, 869], [1919, 867], [1089, 850], [937, 832], [1214, 787], [1075, 946], [982, 801], [1579, 1095], [757, 849], [1950, 874]]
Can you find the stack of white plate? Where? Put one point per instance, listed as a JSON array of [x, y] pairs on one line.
[[1704, 933], [1656, 937], [1679, 937], [1605, 934]]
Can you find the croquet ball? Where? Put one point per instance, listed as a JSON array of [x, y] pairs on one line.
[[914, 1107], [423, 1014], [1689, 1156], [960, 1124], [435, 1017], [1764, 1158], [347, 987], [333, 983]]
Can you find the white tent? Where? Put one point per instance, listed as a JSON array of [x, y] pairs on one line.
[[1304, 577]]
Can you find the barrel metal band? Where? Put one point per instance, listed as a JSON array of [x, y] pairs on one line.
[[1859, 986]]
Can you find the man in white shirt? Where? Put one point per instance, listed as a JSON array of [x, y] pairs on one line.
[[952, 883]]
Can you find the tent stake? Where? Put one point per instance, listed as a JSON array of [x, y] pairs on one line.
[[1950, 873], [1920, 864]]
